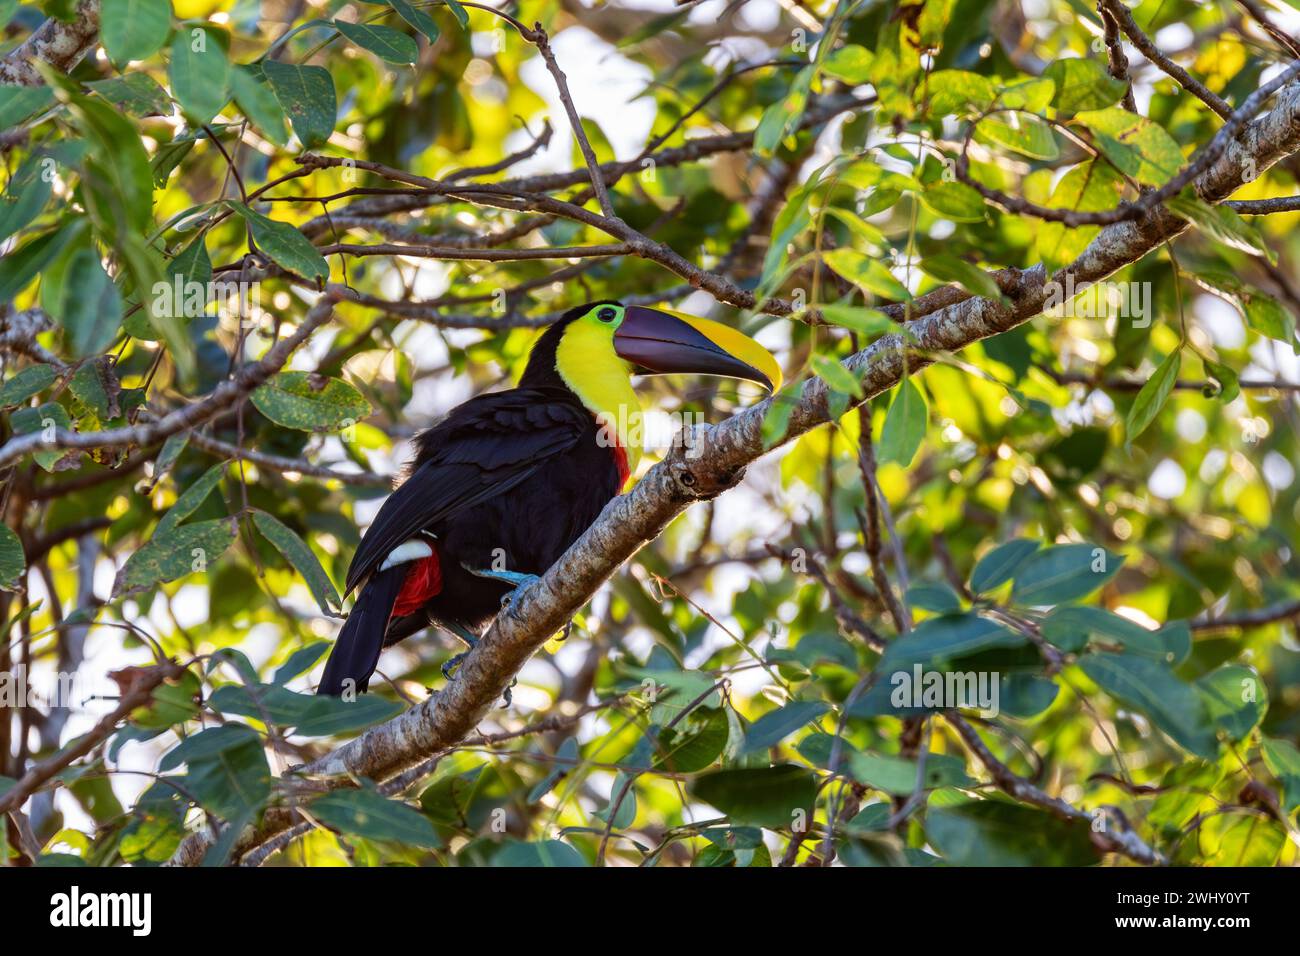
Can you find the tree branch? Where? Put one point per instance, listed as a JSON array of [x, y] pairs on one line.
[[1124, 842], [60, 44], [1258, 617], [140, 693], [1115, 11], [222, 397]]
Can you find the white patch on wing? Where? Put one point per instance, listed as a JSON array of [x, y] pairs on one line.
[[412, 550]]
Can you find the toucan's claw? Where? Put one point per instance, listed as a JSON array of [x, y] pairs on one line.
[[507, 697], [450, 664]]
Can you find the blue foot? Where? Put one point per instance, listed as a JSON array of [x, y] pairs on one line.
[[519, 579], [450, 664], [470, 639]]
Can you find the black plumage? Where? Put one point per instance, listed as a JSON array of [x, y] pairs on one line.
[[507, 480]]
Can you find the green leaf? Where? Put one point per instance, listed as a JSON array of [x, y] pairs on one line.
[[206, 744], [948, 268], [1000, 833], [200, 72], [568, 757], [1283, 761], [28, 382], [18, 103], [1229, 384], [1070, 627], [134, 29], [191, 265], [1263, 313], [13, 563], [136, 93], [233, 781], [766, 797], [310, 402], [1137, 146], [905, 424], [955, 201], [171, 450], [999, 565], [1152, 688], [310, 715], [781, 118], [835, 375], [307, 95], [1064, 572], [857, 225], [190, 499], [770, 729], [365, 813], [850, 63], [1185, 788], [50, 416], [944, 639], [25, 196], [300, 661], [181, 551], [1083, 83], [286, 246], [543, 853], [296, 551], [777, 417], [1033, 95], [1153, 395], [867, 273], [89, 307], [694, 742], [1221, 224], [860, 320], [253, 95], [888, 773], [1241, 840], [938, 598], [19, 267], [959, 91], [1020, 132], [416, 18], [96, 387], [459, 12], [117, 180], [1235, 698], [391, 46]]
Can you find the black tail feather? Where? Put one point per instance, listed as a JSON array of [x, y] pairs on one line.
[[356, 652]]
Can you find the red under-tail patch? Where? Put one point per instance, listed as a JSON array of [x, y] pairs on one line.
[[423, 581]]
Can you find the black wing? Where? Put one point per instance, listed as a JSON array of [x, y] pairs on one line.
[[482, 449]]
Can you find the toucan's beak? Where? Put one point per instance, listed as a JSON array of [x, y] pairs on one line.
[[661, 343]]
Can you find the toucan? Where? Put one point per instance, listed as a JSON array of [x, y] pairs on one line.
[[501, 487]]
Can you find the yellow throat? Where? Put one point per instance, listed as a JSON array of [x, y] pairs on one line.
[[589, 366]]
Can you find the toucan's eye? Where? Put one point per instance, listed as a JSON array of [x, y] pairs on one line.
[[607, 314]]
